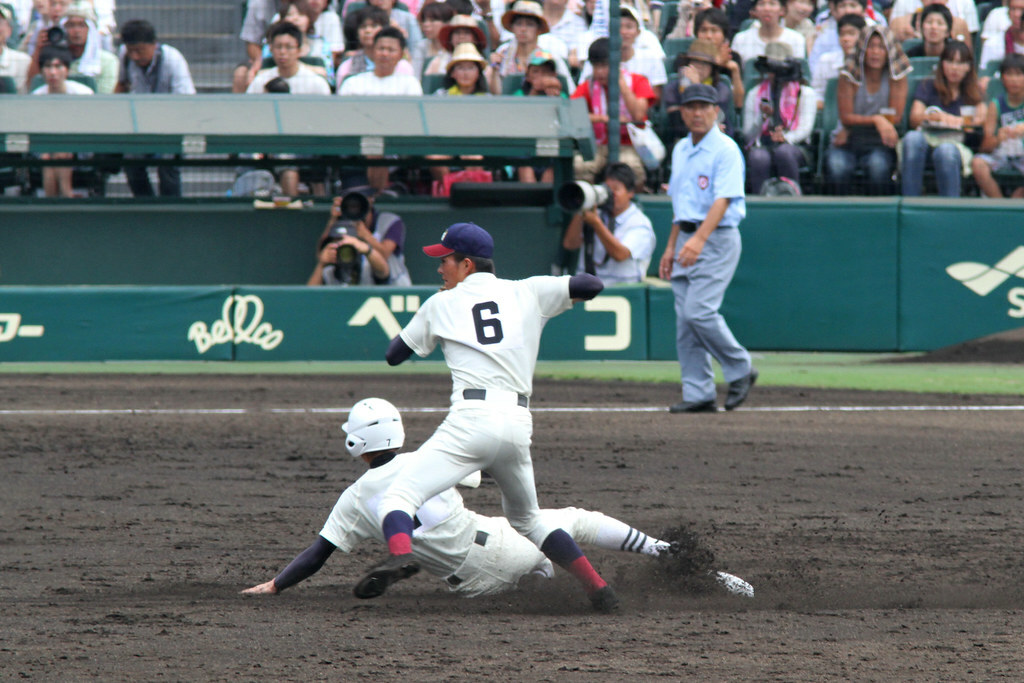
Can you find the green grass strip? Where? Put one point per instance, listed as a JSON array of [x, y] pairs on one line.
[[868, 371]]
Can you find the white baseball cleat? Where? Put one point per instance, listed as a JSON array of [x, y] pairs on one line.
[[735, 584]]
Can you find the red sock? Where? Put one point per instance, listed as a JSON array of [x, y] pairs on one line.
[[587, 575], [400, 544]]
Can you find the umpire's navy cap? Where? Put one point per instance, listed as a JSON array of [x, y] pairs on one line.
[[465, 238], [699, 93]]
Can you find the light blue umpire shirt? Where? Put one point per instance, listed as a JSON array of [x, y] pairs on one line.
[[711, 170]]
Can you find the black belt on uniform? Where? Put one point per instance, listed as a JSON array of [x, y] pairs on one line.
[[481, 395], [481, 540], [688, 227]]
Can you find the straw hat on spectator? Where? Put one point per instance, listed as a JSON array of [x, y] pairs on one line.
[[464, 22], [778, 51], [525, 8], [466, 52], [701, 51]]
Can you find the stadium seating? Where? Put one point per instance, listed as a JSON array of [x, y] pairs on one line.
[[669, 15], [675, 46], [829, 122], [924, 65], [432, 83], [511, 83]]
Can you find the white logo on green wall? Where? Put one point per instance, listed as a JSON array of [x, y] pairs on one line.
[[383, 312], [983, 279], [236, 325], [11, 327]]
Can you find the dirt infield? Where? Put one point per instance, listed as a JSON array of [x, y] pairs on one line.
[[883, 544]]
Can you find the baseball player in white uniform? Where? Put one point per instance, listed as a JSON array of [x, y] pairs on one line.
[[475, 555], [489, 331]]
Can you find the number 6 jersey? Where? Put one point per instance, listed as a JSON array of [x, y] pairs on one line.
[[489, 329]]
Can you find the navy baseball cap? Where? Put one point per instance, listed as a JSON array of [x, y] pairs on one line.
[[466, 238], [699, 93]]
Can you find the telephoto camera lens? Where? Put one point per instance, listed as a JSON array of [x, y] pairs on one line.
[[354, 206], [346, 254], [579, 195]]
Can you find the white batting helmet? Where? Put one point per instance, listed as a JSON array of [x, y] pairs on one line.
[[373, 425]]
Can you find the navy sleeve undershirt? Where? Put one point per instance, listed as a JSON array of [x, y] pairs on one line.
[[398, 351], [307, 563], [584, 286]]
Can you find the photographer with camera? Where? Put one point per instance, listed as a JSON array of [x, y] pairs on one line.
[[625, 237], [778, 117], [38, 33], [78, 32], [360, 246]]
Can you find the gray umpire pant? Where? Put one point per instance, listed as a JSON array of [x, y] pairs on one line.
[[701, 331]]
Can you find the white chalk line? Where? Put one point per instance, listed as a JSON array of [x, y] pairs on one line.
[[561, 409]]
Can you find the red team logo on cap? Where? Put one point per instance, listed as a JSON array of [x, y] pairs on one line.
[[702, 182]]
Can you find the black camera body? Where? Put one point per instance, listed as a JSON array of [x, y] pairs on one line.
[[55, 36], [346, 260], [785, 71]]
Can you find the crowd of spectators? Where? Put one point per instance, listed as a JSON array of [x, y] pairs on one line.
[[842, 96]]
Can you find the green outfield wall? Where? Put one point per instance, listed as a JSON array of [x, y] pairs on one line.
[[210, 281]]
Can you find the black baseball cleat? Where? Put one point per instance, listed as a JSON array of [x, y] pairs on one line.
[[605, 600], [396, 568], [738, 390], [693, 407]]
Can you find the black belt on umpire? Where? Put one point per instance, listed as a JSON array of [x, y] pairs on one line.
[[481, 540], [688, 227], [481, 395]]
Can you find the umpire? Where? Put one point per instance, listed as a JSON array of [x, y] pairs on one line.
[[706, 187]]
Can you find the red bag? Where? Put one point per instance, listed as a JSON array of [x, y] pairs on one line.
[[444, 188]]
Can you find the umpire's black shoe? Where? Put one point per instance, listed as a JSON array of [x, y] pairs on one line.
[[738, 390], [396, 568], [693, 407], [605, 600]]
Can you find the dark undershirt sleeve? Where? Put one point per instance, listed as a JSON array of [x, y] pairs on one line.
[[585, 286], [307, 563], [398, 351]]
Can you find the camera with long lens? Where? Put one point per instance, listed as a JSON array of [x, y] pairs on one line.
[[55, 36], [580, 195], [346, 262], [354, 206], [785, 70]]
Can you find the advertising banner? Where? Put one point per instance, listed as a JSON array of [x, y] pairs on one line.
[[961, 273], [357, 323], [104, 323]]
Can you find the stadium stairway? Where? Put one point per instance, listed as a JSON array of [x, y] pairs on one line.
[[205, 31]]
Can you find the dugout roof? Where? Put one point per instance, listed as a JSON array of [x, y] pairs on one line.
[[493, 127]]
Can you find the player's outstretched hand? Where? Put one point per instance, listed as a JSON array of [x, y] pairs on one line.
[[267, 588]]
